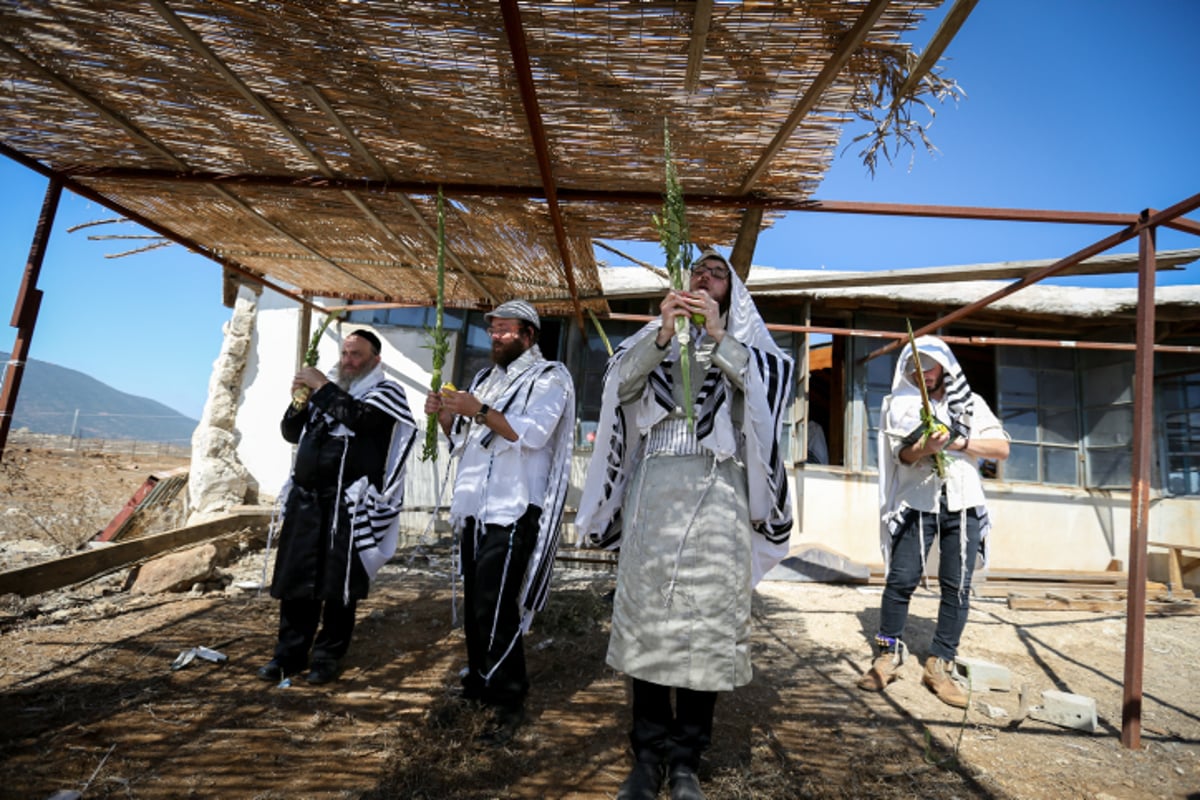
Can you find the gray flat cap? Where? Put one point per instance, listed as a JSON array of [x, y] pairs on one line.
[[516, 309]]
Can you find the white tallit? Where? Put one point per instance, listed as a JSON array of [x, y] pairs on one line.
[[899, 417], [622, 428]]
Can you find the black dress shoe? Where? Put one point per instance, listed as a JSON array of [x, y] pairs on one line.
[[322, 672], [271, 671], [684, 783], [642, 782], [503, 727]]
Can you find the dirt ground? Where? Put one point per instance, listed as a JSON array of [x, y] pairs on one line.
[[92, 703]]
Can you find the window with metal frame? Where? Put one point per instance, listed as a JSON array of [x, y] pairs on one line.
[[1177, 387]]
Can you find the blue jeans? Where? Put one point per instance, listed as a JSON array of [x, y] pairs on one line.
[[904, 573]]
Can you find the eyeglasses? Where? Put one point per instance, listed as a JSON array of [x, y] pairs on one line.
[[718, 272], [502, 333]]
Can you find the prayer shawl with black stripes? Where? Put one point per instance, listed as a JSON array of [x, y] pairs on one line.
[[899, 422], [514, 397], [374, 511], [622, 429]]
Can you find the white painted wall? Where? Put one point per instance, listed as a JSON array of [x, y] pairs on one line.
[[268, 380], [1034, 527]]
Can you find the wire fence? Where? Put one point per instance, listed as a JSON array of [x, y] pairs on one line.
[[87, 445]]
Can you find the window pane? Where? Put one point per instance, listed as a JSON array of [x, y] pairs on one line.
[[1058, 359], [1109, 426], [477, 354], [1059, 427], [1111, 384], [1172, 394], [1109, 467], [1022, 463], [880, 372], [1017, 386], [1021, 423], [1016, 356], [1056, 388], [1183, 475], [1178, 434], [1060, 465]]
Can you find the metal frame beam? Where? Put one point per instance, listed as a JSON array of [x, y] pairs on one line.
[[25, 312], [515, 31]]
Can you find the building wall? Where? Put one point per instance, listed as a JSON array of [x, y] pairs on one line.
[[1034, 527]]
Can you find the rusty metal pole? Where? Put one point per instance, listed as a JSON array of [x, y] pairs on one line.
[[1139, 492], [29, 300]]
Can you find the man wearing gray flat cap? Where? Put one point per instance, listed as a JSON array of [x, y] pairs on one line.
[[513, 432]]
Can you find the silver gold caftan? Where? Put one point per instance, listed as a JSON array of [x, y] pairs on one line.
[[681, 614]]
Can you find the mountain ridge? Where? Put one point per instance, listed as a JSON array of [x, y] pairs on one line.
[[52, 396]]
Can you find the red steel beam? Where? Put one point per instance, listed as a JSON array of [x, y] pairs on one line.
[[1147, 220], [975, 341], [90, 194], [515, 31], [1139, 494], [25, 312], [565, 194]]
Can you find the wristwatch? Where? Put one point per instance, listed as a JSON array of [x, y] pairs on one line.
[[481, 414]]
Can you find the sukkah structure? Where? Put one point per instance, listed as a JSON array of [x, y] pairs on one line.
[[302, 142]]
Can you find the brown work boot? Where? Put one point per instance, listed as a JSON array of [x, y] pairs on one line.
[[884, 669], [939, 678]]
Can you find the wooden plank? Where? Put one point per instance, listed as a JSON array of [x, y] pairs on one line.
[[1098, 577], [1005, 588], [1178, 564], [1191, 548], [1061, 603], [61, 572], [1068, 576]]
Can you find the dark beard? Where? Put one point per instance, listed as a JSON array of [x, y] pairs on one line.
[[504, 353]]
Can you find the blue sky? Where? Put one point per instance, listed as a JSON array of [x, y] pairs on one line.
[[1086, 105]]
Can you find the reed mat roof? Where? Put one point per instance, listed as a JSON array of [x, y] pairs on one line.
[[304, 141]]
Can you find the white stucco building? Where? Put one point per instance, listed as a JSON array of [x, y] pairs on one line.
[[1060, 503]]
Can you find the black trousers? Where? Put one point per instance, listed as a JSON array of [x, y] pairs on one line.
[[494, 561], [298, 622], [678, 737]]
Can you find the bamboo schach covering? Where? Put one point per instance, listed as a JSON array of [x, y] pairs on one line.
[[275, 103]]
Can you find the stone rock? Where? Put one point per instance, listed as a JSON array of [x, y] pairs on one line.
[[177, 572], [217, 479]]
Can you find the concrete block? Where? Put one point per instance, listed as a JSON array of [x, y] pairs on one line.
[[1068, 710], [982, 675]]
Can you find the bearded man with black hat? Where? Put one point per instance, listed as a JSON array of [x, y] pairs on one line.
[[513, 432], [341, 505]]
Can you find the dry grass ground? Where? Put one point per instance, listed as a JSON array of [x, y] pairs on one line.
[[90, 702]]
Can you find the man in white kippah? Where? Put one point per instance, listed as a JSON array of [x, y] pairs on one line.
[[513, 432]]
